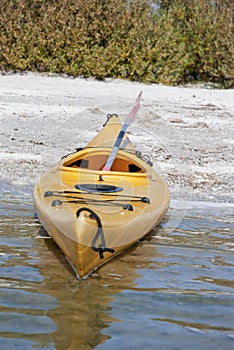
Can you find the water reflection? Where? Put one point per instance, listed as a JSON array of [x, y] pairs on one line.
[[84, 306], [171, 291]]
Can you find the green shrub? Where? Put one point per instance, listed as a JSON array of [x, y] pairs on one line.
[[181, 41]]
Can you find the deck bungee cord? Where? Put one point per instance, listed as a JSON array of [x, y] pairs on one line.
[[126, 206], [110, 201]]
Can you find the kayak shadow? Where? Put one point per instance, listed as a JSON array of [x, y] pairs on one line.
[[58, 258]]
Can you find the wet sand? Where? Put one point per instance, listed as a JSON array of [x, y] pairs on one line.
[[187, 131]]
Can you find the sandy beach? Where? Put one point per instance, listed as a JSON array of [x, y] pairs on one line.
[[187, 131]]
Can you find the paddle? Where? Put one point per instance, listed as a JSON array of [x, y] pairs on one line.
[[121, 134]]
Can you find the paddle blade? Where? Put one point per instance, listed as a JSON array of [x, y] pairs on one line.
[[121, 134]]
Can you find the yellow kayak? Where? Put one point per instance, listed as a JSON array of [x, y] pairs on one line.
[[95, 214]]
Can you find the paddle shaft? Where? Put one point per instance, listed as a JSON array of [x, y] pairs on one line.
[[122, 133]]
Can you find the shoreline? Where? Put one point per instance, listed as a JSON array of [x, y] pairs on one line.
[[187, 131]]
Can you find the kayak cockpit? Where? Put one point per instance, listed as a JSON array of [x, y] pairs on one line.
[[97, 160]]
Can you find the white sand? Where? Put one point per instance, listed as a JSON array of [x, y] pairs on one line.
[[187, 131]]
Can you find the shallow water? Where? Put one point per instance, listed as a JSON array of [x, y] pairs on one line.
[[174, 290]]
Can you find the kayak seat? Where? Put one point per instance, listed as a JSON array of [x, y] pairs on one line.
[[80, 163]]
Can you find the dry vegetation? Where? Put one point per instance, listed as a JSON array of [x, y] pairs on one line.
[[169, 42]]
